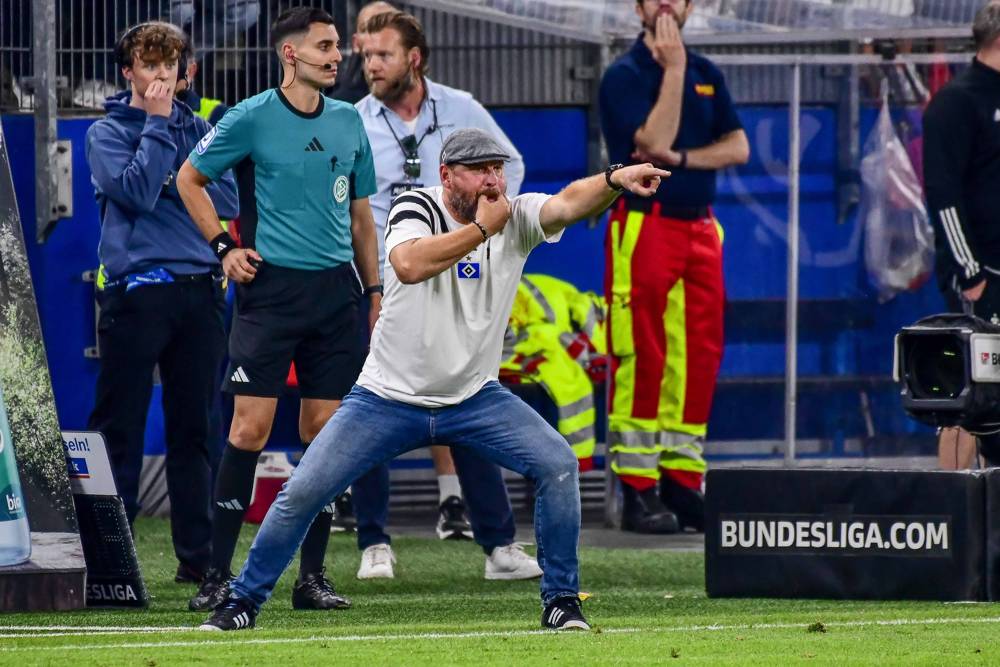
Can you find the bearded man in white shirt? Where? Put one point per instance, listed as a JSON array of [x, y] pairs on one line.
[[456, 252]]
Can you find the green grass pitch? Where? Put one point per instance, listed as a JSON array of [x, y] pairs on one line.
[[647, 607]]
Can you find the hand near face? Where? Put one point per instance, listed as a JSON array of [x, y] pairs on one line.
[[159, 98], [493, 213], [668, 47]]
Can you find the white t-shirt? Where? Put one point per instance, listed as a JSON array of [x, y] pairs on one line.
[[438, 342]]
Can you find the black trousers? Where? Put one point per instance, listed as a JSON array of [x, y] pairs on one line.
[[179, 326]]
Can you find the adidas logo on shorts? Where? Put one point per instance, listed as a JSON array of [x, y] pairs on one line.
[[233, 504], [239, 376]]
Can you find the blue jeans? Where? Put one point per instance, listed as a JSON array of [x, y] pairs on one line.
[[368, 430], [490, 513]]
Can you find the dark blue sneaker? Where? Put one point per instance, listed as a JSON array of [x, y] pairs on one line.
[[564, 614], [213, 591], [232, 614], [452, 524], [314, 591]]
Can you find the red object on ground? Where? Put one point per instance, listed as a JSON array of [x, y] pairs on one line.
[[272, 471]]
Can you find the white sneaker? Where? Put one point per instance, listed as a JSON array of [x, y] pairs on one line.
[[376, 562], [510, 562]]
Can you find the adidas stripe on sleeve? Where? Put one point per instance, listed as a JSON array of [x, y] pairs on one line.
[[413, 215], [958, 242], [953, 136]]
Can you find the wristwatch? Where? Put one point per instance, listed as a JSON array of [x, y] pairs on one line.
[[372, 289], [607, 177]]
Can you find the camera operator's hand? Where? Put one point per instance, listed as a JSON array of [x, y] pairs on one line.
[[159, 99], [975, 292]]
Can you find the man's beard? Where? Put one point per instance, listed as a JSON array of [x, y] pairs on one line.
[[466, 205], [395, 90]]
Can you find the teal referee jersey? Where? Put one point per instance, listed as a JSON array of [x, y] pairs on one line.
[[308, 167]]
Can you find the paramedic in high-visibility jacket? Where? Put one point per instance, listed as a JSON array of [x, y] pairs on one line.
[[661, 102]]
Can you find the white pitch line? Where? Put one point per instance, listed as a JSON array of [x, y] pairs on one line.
[[485, 634], [96, 628], [306, 640], [106, 633]]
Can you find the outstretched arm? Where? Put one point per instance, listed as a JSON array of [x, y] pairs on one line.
[[589, 196]]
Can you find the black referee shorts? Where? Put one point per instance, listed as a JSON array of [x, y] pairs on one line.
[[309, 317]]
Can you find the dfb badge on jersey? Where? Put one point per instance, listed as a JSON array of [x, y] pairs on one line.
[[468, 270]]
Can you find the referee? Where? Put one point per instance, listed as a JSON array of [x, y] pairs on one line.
[[961, 172], [297, 293]]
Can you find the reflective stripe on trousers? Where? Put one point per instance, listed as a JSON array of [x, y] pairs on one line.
[[665, 307]]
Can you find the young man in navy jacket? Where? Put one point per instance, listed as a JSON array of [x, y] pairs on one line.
[[160, 288]]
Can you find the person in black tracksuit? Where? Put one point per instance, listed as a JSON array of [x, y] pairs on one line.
[[962, 183]]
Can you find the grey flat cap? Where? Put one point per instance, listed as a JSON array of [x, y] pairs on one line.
[[471, 146]]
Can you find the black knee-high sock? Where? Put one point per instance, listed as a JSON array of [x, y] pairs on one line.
[[314, 545], [233, 488]]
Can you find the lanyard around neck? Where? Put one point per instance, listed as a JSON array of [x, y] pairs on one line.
[[432, 128]]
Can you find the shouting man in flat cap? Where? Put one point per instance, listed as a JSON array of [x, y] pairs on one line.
[[456, 252]]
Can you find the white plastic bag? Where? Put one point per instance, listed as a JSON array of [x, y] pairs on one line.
[[899, 240]]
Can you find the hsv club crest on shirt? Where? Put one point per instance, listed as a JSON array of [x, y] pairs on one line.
[[468, 270]]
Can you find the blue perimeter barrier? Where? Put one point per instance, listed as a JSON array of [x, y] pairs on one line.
[[752, 207]]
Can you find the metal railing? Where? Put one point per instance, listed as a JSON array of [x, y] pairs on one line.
[[715, 21], [230, 39], [237, 61]]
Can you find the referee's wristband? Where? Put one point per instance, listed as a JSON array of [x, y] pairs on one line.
[[486, 236], [372, 289], [222, 245]]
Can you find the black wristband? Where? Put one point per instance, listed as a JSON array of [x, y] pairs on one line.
[[373, 289], [222, 245], [486, 236], [607, 177]]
